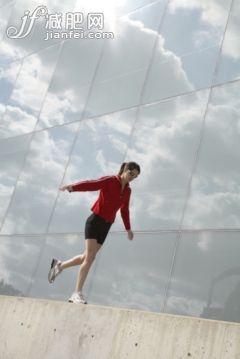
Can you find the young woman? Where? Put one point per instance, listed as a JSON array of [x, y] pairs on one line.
[[114, 194]]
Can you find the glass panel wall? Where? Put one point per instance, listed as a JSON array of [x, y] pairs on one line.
[[206, 277], [38, 182], [214, 198]]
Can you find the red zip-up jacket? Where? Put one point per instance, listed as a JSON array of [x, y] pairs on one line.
[[111, 197]]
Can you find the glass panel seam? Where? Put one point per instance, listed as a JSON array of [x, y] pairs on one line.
[[126, 109]]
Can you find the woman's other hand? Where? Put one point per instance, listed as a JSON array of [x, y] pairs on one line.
[[66, 188], [130, 234]]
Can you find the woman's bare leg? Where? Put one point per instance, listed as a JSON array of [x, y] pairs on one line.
[[74, 261], [92, 247]]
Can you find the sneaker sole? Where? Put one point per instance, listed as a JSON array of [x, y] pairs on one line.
[[50, 274], [71, 301]]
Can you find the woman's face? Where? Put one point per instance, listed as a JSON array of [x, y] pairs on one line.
[[130, 175]]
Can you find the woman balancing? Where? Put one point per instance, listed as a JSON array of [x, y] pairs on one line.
[[114, 195]]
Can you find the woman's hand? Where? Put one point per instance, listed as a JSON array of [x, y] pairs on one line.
[[130, 234], [64, 188]]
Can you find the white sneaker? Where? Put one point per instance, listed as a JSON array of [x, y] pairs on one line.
[[77, 297], [54, 270]]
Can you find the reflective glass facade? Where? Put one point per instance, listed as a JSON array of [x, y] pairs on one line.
[[164, 92]]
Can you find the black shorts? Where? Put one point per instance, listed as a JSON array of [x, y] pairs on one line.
[[96, 228]]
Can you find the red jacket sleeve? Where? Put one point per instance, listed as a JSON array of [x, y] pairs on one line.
[[125, 212], [92, 185]]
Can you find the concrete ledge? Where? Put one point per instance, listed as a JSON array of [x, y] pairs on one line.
[[45, 329]]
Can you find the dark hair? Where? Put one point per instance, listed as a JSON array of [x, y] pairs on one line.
[[129, 166]]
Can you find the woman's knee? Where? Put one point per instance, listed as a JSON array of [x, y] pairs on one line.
[[83, 256], [89, 257]]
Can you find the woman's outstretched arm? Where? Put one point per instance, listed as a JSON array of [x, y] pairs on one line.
[[89, 185]]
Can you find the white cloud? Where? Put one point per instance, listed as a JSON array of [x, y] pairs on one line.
[[56, 106], [215, 193], [67, 96], [9, 52], [204, 241], [38, 183], [212, 12], [2, 109], [213, 210], [16, 121], [231, 46], [9, 72], [203, 36], [32, 82]]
